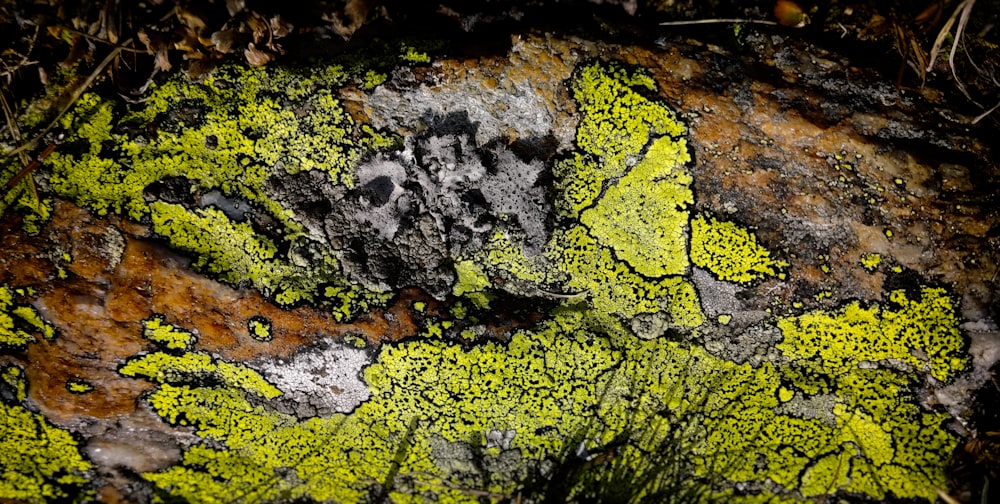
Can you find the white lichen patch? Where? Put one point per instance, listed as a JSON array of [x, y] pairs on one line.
[[320, 381]]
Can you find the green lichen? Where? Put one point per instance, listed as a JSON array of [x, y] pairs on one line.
[[623, 196], [259, 328], [731, 253], [172, 338], [168, 368], [13, 381], [31, 317], [618, 121], [544, 384], [412, 55], [472, 283], [922, 333], [23, 196], [593, 373], [614, 288], [373, 79], [643, 217], [471, 278], [39, 462], [17, 322], [237, 131], [618, 124], [548, 386], [236, 254], [37, 212]]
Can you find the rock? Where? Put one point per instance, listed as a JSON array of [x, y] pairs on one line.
[[702, 273]]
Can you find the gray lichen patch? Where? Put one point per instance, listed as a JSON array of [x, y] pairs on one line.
[[518, 112], [755, 345], [413, 212], [725, 302]]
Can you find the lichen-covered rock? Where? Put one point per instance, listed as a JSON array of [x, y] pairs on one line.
[[577, 269]]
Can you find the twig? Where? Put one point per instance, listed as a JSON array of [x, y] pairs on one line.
[[718, 21], [8, 70], [88, 36], [75, 96], [980, 117], [15, 134], [31, 144], [35, 163], [962, 13], [945, 497]]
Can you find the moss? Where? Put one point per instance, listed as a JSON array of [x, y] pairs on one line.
[[17, 320], [170, 337], [38, 461], [730, 252], [259, 328]]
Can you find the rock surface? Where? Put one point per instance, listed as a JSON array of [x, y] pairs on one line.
[[672, 269]]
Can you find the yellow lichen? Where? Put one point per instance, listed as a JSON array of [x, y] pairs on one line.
[[154, 329], [731, 253], [259, 328], [17, 320], [38, 461]]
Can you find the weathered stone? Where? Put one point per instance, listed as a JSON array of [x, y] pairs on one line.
[[479, 273]]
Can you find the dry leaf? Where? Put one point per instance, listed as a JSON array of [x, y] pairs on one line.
[[78, 50], [198, 69], [187, 40], [280, 27], [191, 20], [255, 56], [235, 6], [225, 40], [354, 15], [144, 38], [259, 27], [162, 60]]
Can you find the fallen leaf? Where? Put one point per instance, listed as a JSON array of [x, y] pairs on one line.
[[225, 40], [280, 27], [259, 27], [255, 56], [790, 13], [235, 6]]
